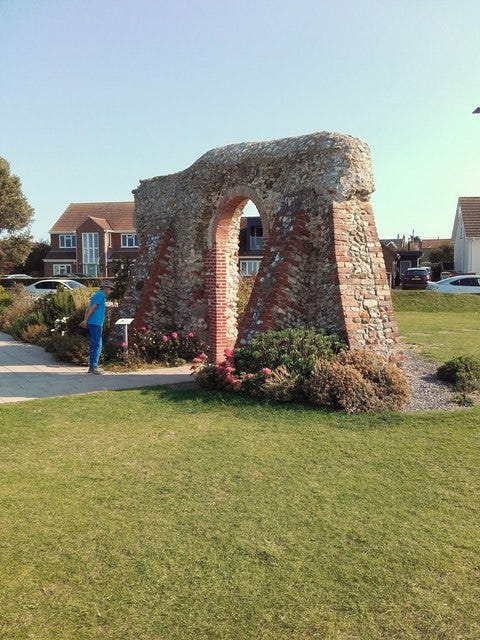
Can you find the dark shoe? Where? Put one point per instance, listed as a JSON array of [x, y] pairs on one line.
[[96, 372]]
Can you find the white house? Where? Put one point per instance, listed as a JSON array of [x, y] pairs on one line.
[[466, 236]]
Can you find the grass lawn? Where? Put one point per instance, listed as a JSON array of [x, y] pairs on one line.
[[439, 325], [174, 514]]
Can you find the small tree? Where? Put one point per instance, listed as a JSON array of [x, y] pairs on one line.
[[442, 254], [33, 265], [121, 270], [15, 216]]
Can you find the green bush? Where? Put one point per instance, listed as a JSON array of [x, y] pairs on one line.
[[296, 349], [61, 304], [463, 372], [19, 324], [166, 347], [5, 299]]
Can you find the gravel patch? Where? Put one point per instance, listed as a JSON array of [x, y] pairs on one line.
[[427, 392]]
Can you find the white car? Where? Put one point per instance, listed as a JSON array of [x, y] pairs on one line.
[[456, 284], [18, 275], [44, 287]]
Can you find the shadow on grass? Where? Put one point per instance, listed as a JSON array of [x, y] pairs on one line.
[[193, 399]]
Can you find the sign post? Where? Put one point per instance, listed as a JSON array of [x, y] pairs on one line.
[[126, 322]]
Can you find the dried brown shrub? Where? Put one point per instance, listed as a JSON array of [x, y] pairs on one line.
[[281, 385], [357, 381], [34, 333], [21, 306]]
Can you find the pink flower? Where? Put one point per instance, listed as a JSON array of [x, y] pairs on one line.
[[174, 335], [143, 329], [123, 345], [191, 334], [142, 348], [197, 360], [165, 338], [228, 353], [266, 371], [249, 376], [203, 356]]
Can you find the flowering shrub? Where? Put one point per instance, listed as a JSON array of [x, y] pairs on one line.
[[352, 380], [275, 364], [166, 347], [224, 376]]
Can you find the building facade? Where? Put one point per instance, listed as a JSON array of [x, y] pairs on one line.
[[88, 238]]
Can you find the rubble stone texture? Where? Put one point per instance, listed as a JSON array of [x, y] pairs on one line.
[[322, 264]]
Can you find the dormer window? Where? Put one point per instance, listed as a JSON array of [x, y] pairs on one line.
[[256, 238], [129, 240], [67, 241]]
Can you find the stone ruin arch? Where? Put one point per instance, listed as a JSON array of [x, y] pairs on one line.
[[322, 262]]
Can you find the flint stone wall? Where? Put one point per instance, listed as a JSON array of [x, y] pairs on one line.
[[322, 264]]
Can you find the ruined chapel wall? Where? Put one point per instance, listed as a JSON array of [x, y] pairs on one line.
[[322, 262]]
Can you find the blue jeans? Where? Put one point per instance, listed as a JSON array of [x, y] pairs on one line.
[[95, 331]]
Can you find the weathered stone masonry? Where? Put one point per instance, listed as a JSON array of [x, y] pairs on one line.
[[322, 263]]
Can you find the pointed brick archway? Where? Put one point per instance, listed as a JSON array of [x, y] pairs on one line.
[[322, 263], [221, 265]]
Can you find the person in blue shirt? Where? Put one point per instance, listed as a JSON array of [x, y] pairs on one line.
[[93, 321]]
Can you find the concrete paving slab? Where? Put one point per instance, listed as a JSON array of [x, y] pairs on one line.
[[28, 372]]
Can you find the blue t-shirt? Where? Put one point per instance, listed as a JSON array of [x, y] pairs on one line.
[[98, 315]]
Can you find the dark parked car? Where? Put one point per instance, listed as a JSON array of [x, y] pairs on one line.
[[416, 278]]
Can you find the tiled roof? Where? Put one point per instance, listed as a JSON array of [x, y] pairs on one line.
[[118, 216], [393, 243], [470, 212], [433, 243]]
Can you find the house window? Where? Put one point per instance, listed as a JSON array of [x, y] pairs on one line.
[[129, 240], [62, 269], [68, 241], [249, 267], [256, 238], [90, 253]]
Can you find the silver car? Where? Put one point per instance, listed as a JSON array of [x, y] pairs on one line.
[[456, 284], [44, 287]]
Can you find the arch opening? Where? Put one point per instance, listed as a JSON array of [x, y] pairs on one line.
[[239, 236]]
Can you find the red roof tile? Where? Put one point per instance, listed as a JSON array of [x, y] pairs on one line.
[[118, 216], [433, 243]]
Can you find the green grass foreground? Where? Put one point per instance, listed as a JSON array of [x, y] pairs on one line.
[[175, 514], [441, 326]]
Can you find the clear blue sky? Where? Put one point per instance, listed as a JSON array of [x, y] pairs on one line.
[[98, 94]]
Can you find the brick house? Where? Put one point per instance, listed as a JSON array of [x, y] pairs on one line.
[[89, 237], [250, 249]]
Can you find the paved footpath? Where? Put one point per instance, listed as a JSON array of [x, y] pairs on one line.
[[28, 372]]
